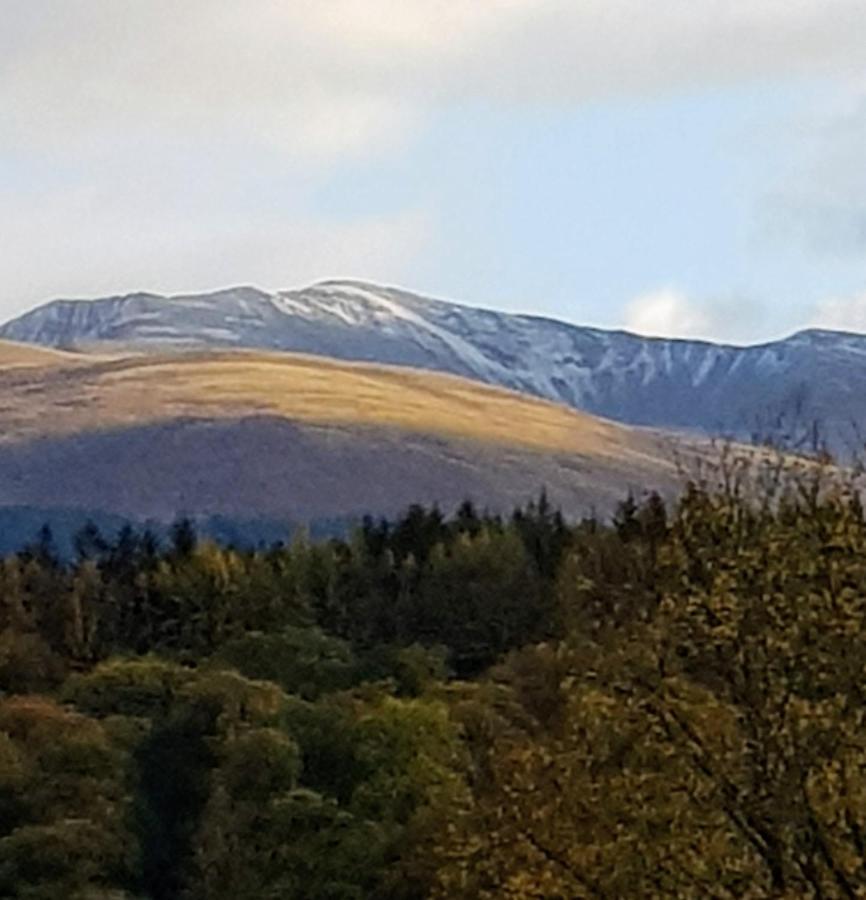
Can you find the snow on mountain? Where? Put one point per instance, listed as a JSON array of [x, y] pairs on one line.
[[783, 387]]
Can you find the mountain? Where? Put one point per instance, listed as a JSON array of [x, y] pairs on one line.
[[783, 387], [283, 437], [21, 526]]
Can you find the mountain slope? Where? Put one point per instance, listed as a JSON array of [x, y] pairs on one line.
[[782, 387], [16, 356], [279, 435]]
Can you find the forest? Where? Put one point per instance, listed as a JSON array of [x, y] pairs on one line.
[[669, 703]]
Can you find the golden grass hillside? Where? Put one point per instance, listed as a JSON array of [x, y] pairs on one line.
[[52, 399], [59, 399], [15, 356]]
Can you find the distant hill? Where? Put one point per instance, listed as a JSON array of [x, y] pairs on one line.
[[783, 388], [15, 355], [286, 438], [21, 526]]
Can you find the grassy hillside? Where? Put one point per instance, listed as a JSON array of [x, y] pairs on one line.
[[14, 355], [54, 398], [238, 432]]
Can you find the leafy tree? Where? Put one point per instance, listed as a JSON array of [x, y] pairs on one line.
[[479, 597], [62, 784], [303, 661], [716, 749]]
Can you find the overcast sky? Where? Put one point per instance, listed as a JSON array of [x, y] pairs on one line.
[[683, 167]]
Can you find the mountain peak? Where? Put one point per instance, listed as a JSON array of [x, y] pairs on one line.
[[825, 335], [644, 381], [244, 291]]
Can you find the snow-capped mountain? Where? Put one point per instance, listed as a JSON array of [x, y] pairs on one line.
[[781, 388]]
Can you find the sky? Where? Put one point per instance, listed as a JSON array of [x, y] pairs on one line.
[[688, 168]]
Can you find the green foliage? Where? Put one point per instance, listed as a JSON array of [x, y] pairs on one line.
[[143, 687], [303, 661], [712, 746], [27, 664], [669, 706], [302, 846], [411, 670], [479, 598], [64, 801]]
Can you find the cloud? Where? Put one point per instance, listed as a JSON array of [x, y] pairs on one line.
[[819, 200], [840, 314], [157, 143], [319, 81], [668, 312], [671, 313], [74, 243]]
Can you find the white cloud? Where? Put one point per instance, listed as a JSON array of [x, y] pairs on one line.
[[73, 243], [668, 312], [671, 313], [840, 314], [820, 202], [319, 79], [123, 112]]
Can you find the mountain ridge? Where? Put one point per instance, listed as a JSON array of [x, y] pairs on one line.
[[262, 293], [786, 385]]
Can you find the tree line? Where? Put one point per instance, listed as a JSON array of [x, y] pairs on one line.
[[666, 704]]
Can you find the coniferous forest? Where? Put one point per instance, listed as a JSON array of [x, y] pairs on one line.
[[667, 704]]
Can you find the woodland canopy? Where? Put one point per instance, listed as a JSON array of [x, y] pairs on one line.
[[667, 705]]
